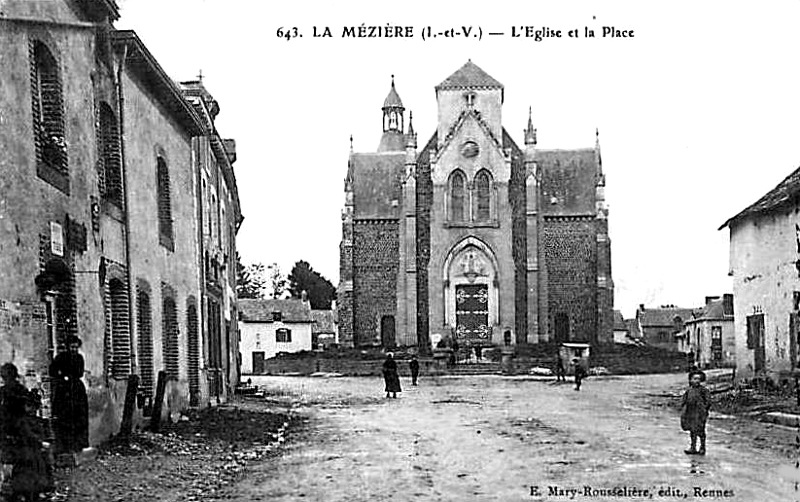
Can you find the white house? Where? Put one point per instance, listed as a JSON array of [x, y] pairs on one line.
[[268, 327], [765, 265]]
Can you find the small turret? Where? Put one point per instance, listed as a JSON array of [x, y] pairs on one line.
[[392, 139]]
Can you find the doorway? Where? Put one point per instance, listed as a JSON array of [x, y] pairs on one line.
[[472, 312], [387, 331], [562, 327]]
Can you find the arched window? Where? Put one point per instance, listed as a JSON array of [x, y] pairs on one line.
[[119, 327], [483, 187], [457, 196], [144, 320], [165, 231], [169, 340], [48, 117], [110, 170]]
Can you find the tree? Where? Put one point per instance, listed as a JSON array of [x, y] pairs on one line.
[[319, 289], [250, 279], [277, 280]]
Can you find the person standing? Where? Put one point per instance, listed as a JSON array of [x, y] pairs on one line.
[[414, 367], [70, 405], [560, 372], [390, 376], [695, 405], [580, 373]]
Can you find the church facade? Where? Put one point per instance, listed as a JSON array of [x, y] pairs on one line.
[[469, 235]]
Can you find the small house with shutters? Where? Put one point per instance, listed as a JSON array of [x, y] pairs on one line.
[[269, 327], [765, 266]]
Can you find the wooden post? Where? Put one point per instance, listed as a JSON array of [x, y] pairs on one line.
[[161, 387], [130, 401]]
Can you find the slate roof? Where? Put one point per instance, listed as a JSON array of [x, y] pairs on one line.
[[786, 192], [323, 321], [393, 99], [292, 310], [652, 317], [713, 311], [376, 179], [469, 76], [569, 181]]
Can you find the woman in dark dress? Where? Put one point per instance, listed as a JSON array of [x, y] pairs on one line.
[[390, 376], [70, 406], [694, 411]]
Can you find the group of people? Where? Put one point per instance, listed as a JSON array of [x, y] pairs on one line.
[[391, 377], [579, 371], [24, 436]]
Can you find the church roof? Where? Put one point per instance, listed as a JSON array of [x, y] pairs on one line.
[[393, 99], [377, 184], [569, 181], [469, 76]]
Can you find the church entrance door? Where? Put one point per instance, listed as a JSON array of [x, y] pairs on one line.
[[387, 331], [472, 313]]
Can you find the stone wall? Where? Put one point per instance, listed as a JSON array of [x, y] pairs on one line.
[[375, 266], [571, 259]]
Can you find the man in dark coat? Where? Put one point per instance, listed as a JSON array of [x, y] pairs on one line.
[[695, 405], [70, 405], [414, 367], [580, 373], [390, 376]]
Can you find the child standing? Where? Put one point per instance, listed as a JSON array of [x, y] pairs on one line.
[[694, 411]]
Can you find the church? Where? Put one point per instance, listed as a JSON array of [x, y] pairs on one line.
[[470, 236]]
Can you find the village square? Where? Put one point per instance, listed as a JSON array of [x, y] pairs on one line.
[[470, 344]]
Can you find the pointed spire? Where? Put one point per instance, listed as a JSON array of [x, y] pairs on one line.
[[351, 143], [410, 122], [530, 131], [597, 158]]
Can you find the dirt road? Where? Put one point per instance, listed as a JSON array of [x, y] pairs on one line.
[[506, 439]]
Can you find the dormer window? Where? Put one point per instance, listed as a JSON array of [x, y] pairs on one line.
[[277, 317]]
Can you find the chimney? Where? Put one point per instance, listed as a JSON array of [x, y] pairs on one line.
[[304, 296], [727, 304], [710, 299], [641, 307]]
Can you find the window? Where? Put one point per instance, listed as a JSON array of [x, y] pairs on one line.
[[283, 335], [483, 185], [165, 231], [118, 328], [48, 117], [716, 343], [144, 320], [169, 340], [193, 351], [110, 165], [258, 340], [277, 317], [457, 196]]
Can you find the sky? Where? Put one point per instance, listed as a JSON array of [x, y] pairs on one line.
[[697, 112]]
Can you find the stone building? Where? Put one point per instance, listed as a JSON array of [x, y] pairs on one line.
[[765, 265], [100, 233], [663, 326], [472, 236]]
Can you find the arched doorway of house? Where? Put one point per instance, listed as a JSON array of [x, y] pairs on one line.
[[562, 327], [387, 331]]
